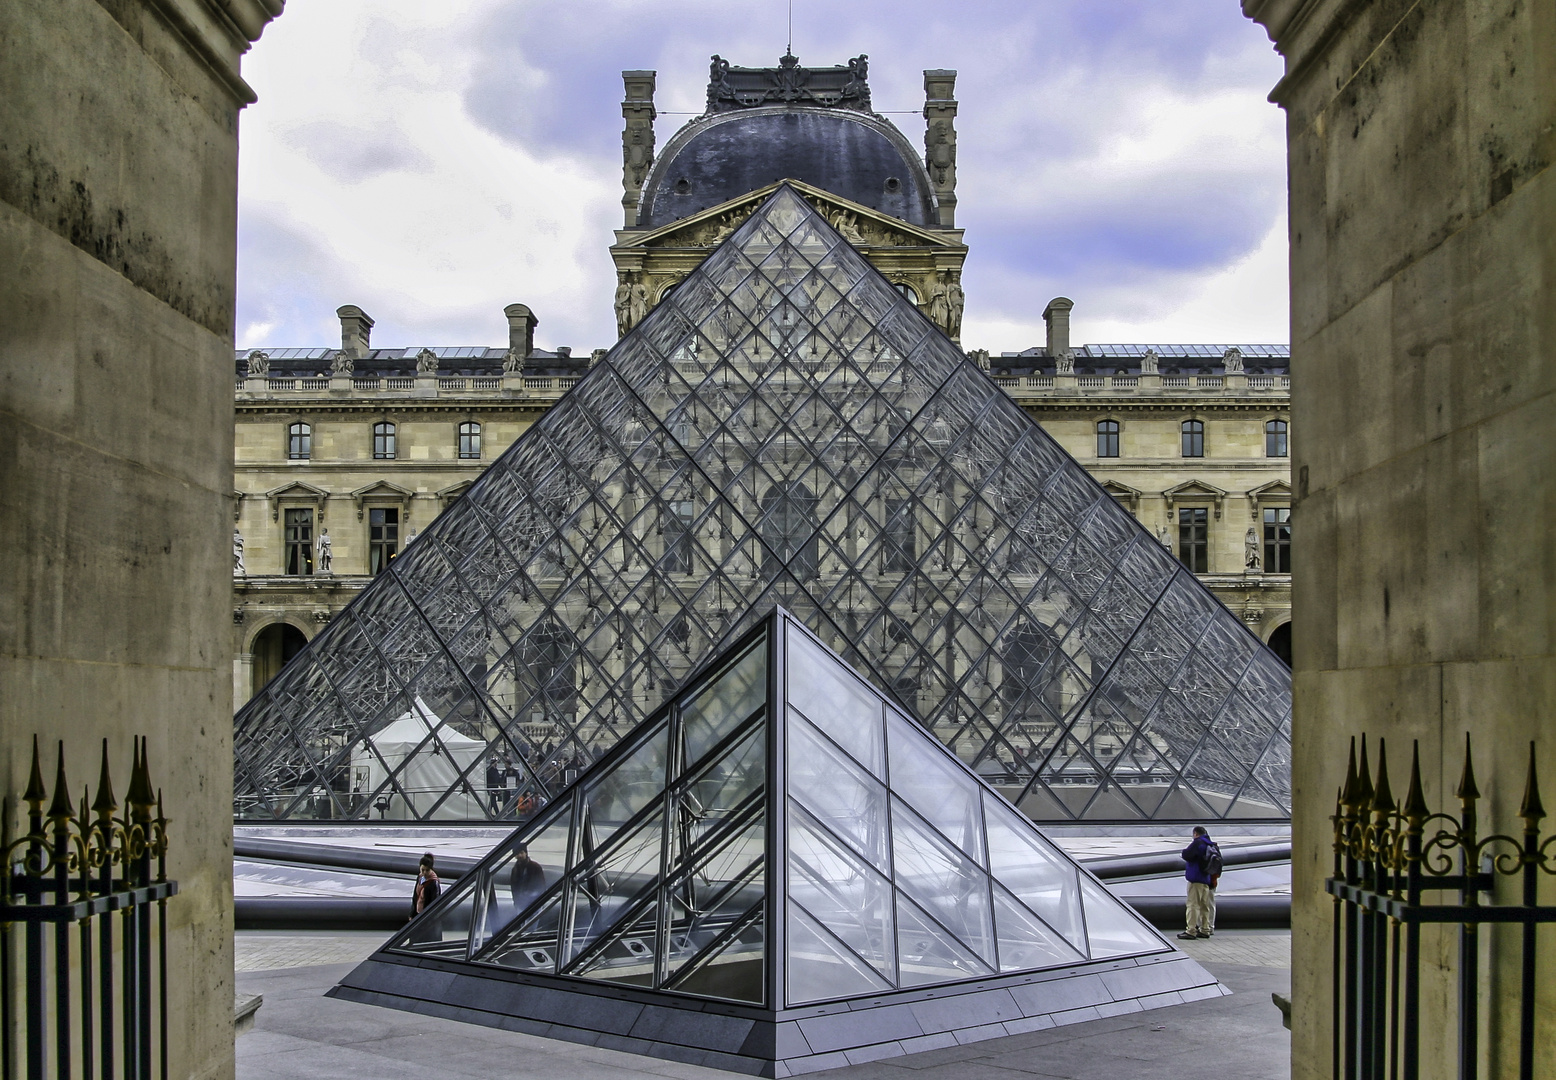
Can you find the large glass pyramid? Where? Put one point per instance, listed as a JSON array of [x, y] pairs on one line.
[[779, 840], [784, 428]]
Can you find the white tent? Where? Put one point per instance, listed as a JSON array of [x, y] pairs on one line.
[[430, 767]]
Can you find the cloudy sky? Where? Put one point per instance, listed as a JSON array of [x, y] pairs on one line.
[[433, 162]]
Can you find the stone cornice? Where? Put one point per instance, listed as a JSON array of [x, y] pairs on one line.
[[218, 32], [1302, 31]]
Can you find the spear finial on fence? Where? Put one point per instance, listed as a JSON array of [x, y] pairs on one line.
[[1468, 792], [36, 792], [140, 798], [60, 809], [1416, 810], [1531, 809], [1363, 780], [1382, 797], [1348, 794], [105, 804]]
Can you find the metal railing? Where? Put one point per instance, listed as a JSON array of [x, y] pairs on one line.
[[72, 873], [1391, 862]]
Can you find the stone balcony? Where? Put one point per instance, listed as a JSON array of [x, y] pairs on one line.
[[542, 388], [1023, 387]]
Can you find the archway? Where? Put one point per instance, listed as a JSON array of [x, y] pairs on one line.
[[1280, 642], [272, 648]]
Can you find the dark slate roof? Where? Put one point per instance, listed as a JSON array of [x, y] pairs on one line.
[[383, 363], [1125, 360]]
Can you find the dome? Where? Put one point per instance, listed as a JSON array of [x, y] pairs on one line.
[[855, 155]]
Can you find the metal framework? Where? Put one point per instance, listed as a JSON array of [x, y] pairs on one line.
[[784, 428], [778, 845]]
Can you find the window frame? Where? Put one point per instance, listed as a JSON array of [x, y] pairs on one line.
[[467, 440], [1194, 550], [899, 535], [1275, 539], [298, 551], [382, 549], [1277, 428], [385, 439], [299, 435], [1192, 434], [681, 515], [1109, 438]]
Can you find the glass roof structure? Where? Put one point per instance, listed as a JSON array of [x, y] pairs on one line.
[[783, 429], [778, 839]]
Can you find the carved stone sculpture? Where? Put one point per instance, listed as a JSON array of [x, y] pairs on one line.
[[638, 305], [259, 364], [342, 363], [426, 362], [623, 305], [1164, 537], [846, 223], [1232, 360], [1251, 559], [237, 554], [1064, 363], [1150, 363], [938, 306], [512, 362], [955, 301], [326, 555]]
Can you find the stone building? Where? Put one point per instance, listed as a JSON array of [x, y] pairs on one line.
[[368, 445]]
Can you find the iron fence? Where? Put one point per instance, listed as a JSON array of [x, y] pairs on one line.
[[1400, 866], [78, 997]]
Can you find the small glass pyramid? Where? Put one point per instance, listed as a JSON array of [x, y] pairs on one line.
[[784, 428], [778, 837]]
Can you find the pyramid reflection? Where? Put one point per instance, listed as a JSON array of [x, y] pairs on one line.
[[784, 428], [778, 846]]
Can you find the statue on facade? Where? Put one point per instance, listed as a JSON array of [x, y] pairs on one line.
[[1150, 363], [1064, 363], [846, 223], [623, 303], [237, 554], [1232, 361], [1251, 559], [426, 362], [938, 307], [1164, 537], [259, 364], [512, 362], [637, 308], [342, 363], [326, 555], [718, 82], [955, 301]]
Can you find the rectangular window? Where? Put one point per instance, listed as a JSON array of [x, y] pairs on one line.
[[1275, 438], [899, 552], [1277, 540], [470, 441], [1194, 538], [383, 538], [1193, 438], [1107, 438], [299, 542], [299, 442], [678, 537], [383, 442]]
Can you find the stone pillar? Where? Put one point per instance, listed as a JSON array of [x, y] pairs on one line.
[[356, 327], [118, 249], [637, 139], [1423, 263], [940, 140], [1057, 316]]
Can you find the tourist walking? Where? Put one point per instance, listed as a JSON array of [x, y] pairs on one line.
[[427, 888], [1202, 866]]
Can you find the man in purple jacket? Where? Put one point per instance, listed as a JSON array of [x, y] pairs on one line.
[[1202, 886]]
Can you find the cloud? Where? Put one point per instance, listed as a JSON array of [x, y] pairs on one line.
[[444, 160]]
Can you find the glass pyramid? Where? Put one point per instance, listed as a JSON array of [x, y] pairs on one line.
[[784, 428], [778, 837]]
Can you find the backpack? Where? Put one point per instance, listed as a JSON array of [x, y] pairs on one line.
[[1211, 862]]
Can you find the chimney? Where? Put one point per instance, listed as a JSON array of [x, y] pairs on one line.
[[521, 330], [1057, 316], [356, 326], [637, 139], [940, 140]]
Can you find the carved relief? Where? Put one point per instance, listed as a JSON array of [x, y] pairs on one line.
[[342, 363], [426, 362], [259, 364]]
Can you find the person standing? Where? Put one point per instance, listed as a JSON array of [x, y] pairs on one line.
[[1202, 866], [427, 888], [526, 879]]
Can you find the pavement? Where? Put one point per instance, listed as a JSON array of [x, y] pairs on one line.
[[301, 1035]]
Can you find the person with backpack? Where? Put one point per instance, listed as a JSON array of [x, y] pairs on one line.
[[1202, 866]]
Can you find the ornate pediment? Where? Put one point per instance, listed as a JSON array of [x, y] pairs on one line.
[[381, 490], [1125, 494], [1195, 491], [296, 491], [1276, 491]]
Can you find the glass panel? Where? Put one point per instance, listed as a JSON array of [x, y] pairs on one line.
[[1024, 942], [1040, 877], [943, 880], [840, 794], [926, 953], [835, 702], [710, 897], [628, 955], [719, 709], [821, 967], [946, 797], [1112, 928], [847, 896], [636, 781], [735, 970], [725, 785], [445, 929], [533, 947], [520, 877], [608, 885]]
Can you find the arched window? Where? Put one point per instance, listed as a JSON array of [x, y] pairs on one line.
[[383, 441], [1107, 438], [299, 442], [1193, 438], [788, 530], [470, 440], [906, 290], [1275, 438]]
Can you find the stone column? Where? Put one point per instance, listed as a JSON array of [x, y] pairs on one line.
[[637, 139], [940, 140]]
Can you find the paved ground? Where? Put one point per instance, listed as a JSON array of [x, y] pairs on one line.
[[301, 1035]]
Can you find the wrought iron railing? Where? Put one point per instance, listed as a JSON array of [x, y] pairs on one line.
[[1399, 867], [91, 1001]]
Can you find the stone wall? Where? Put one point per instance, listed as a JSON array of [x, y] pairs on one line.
[[118, 203], [1423, 240]]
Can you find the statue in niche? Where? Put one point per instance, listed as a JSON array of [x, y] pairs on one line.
[[940, 153], [237, 554], [342, 363], [1150, 363], [259, 364], [1164, 537], [426, 362], [326, 555], [938, 306], [1251, 559], [637, 153], [955, 301], [623, 304], [637, 308]]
